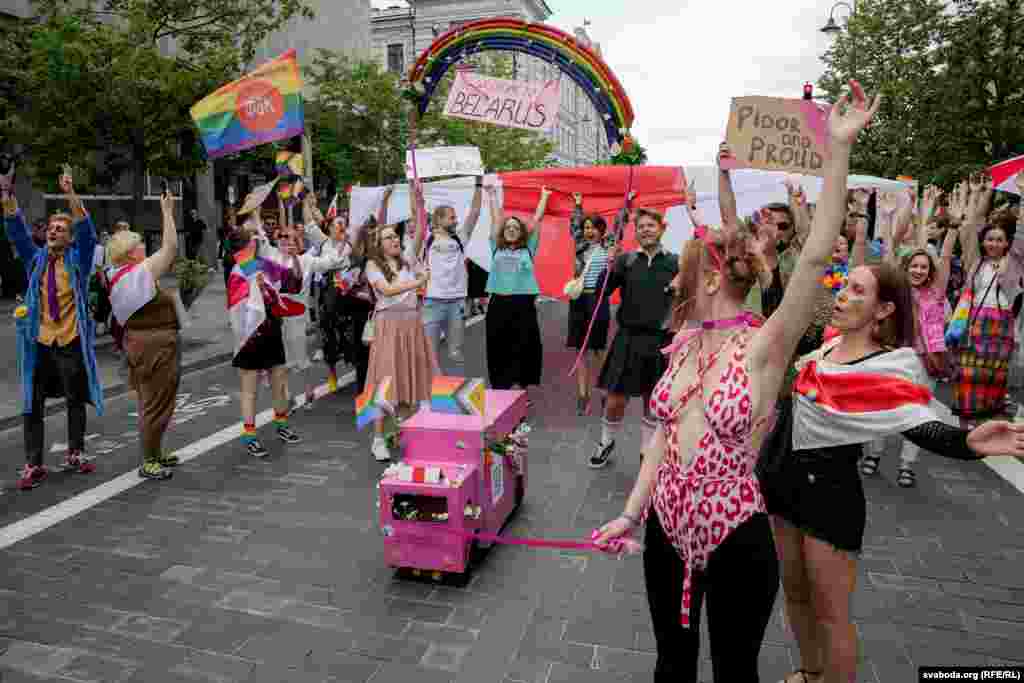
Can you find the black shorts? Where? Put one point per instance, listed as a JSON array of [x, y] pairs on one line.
[[581, 311], [820, 492]]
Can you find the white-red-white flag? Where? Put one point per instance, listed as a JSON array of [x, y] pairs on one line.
[[1004, 174]]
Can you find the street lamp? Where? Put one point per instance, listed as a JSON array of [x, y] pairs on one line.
[[831, 27]]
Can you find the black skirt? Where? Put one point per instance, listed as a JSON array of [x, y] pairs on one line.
[[635, 362], [265, 348], [820, 492], [515, 354], [580, 312]]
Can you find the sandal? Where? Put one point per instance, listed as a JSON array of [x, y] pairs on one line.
[[803, 673], [906, 479], [869, 466]]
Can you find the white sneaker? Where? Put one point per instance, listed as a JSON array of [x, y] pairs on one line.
[[380, 451]]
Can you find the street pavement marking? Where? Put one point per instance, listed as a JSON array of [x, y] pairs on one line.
[[1009, 468], [55, 514]]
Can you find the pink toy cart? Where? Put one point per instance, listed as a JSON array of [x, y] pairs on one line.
[[453, 481]]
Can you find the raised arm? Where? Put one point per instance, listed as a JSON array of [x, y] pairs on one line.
[[18, 231], [801, 213], [382, 212], [84, 230], [960, 206], [538, 215], [859, 250], [311, 219], [945, 260], [497, 213], [691, 206], [777, 340], [576, 220], [473, 217], [159, 263], [726, 196]]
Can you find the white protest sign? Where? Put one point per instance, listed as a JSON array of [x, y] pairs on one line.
[[440, 161], [512, 104]]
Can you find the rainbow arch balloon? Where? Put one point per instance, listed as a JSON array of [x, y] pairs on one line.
[[577, 61]]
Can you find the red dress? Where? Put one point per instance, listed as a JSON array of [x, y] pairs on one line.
[[700, 503]]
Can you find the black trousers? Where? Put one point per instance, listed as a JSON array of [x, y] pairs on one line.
[[739, 585], [60, 371]]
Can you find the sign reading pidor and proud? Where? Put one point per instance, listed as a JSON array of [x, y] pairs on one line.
[[513, 104], [776, 134]]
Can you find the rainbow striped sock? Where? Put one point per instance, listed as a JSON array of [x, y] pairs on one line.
[[249, 432], [280, 419]]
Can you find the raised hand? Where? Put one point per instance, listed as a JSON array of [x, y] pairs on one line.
[[67, 182], [997, 437], [724, 153], [931, 198], [167, 203], [981, 197], [844, 126], [1019, 182], [888, 202], [691, 194], [578, 198]]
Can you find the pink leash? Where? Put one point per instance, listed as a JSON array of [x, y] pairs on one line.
[[604, 285]]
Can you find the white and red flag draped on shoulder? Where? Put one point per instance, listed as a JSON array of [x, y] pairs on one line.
[[131, 287], [246, 305], [1005, 172], [838, 405]]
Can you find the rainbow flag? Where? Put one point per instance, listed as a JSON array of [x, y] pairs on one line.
[[375, 402], [288, 163], [458, 395], [246, 308], [264, 106]]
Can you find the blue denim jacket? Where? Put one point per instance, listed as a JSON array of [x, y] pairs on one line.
[[78, 262]]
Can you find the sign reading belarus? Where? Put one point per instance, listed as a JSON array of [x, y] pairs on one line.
[[513, 104], [264, 106], [776, 134], [439, 161]]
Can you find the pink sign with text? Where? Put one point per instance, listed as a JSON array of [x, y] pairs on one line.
[[513, 104]]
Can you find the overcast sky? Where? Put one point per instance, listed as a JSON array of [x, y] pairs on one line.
[[681, 61]]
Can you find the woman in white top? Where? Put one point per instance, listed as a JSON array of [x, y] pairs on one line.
[[400, 349]]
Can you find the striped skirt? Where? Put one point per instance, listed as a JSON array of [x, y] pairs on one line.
[[979, 388]]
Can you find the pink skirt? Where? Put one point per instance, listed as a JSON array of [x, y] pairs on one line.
[[401, 351]]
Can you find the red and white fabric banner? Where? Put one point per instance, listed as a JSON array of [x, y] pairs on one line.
[[1004, 174]]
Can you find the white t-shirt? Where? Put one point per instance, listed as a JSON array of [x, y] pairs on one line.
[[447, 262], [406, 299]]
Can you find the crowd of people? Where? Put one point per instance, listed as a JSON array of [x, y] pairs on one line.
[[772, 357]]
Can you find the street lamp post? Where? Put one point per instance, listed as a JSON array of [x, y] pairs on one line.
[[831, 28]]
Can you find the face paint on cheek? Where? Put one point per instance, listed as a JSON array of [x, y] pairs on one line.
[[848, 298]]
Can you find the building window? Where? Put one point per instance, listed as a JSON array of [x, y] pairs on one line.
[[396, 58]]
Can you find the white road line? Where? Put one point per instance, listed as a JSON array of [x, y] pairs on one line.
[[55, 514], [1010, 469]]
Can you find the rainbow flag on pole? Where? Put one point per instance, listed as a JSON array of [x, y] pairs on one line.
[[375, 402], [264, 106]]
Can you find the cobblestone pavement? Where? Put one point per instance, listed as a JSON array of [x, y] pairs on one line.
[[267, 571]]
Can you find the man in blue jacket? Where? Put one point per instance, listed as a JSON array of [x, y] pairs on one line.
[[56, 334]]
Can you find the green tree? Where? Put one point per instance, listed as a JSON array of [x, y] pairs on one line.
[[952, 83], [109, 85]]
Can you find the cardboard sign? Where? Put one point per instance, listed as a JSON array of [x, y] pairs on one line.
[[776, 134], [439, 161], [513, 104]]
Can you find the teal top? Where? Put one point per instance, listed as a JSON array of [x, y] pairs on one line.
[[512, 269]]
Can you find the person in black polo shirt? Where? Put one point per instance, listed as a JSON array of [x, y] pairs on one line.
[[635, 363]]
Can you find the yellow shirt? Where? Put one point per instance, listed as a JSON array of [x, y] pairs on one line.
[[65, 329]]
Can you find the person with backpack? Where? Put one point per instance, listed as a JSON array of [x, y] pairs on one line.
[[445, 256]]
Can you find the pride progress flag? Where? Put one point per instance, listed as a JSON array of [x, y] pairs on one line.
[[263, 106]]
